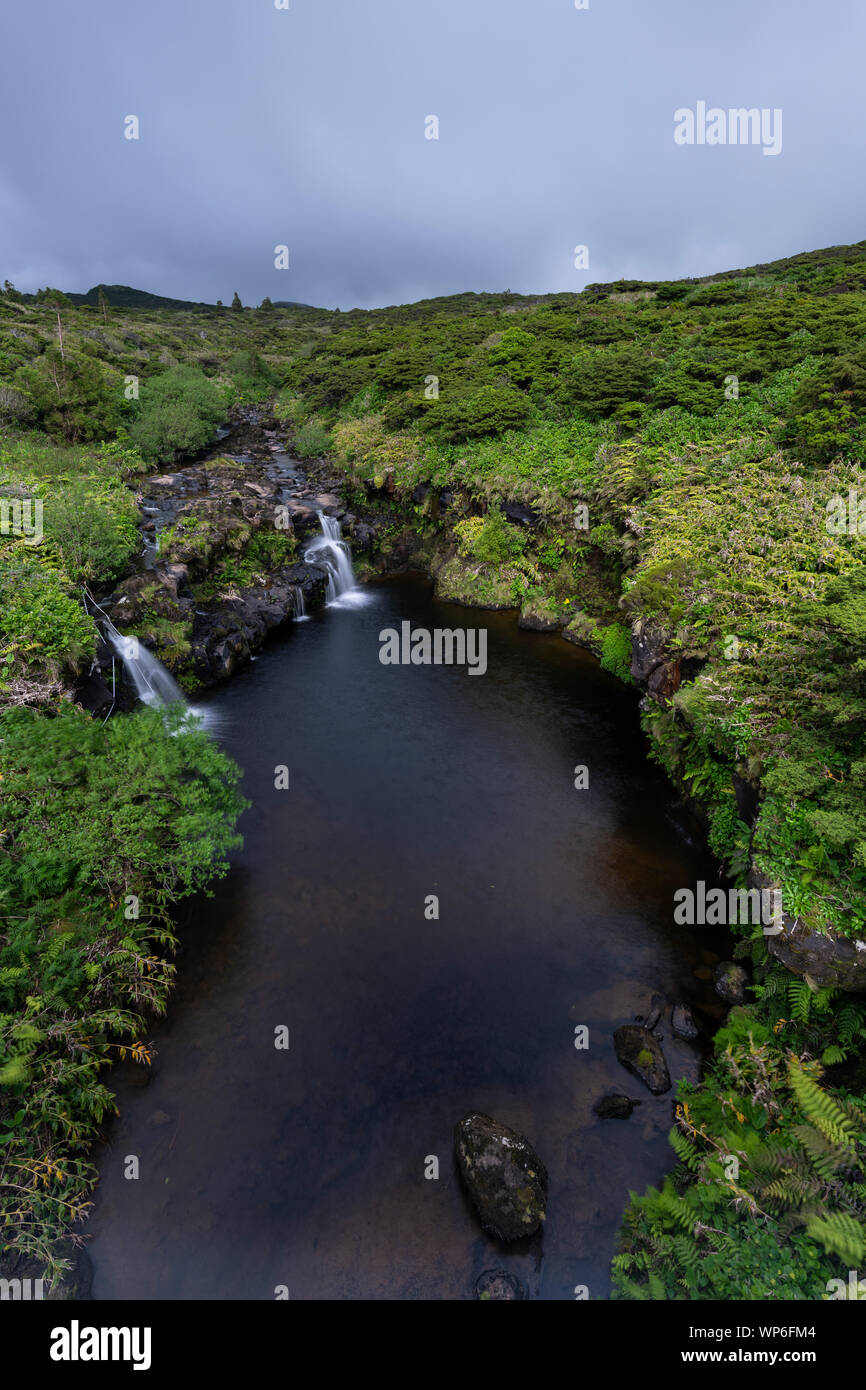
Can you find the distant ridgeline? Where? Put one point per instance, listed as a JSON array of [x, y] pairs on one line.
[[125, 297]]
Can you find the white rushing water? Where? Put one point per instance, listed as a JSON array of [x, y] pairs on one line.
[[332, 552], [152, 683], [301, 614]]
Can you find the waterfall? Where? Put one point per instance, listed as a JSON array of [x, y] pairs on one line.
[[332, 553], [301, 614], [152, 682]]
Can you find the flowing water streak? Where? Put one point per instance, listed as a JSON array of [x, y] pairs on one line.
[[331, 552], [301, 614], [152, 683]]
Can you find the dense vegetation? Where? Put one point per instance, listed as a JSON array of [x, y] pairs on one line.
[[693, 457]]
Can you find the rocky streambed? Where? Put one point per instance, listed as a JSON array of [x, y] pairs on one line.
[[223, 561]]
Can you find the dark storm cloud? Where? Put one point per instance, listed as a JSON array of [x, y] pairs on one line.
[[306, 127]]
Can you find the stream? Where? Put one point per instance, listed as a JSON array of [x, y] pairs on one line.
[[303, 1169]]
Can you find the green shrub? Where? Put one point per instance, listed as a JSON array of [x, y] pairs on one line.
[[93, 527], [491, 539], [40, 625], [71, 397], [490, 410], [616, 652], [177, 414], [312, 440], [105, 828]]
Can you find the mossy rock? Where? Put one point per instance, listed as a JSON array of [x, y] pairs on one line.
[[504, 1176], [540, 614], [584, 632], [475, 585], [641, 1052]]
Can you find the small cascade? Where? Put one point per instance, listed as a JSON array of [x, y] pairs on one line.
[[331, 552], [301, 614], [152, 683]]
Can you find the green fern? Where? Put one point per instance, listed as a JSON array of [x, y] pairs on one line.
[[821, 1110], [840, 1235]]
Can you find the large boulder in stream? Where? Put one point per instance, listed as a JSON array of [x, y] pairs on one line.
[[503, 1174], [641, 1053]]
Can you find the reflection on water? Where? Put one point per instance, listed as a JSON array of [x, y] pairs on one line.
[[305, 1167]]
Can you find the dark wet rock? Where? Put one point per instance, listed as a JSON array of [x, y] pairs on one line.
[[647, 649], [92, 693], [748, 797], [683, 1023], [503, 1174], [826, 958], [362, 537], [304, 518], [658, 1004], [176, 578], [539, 616], [730, 981], [328, 502], [219, 647], [521, 515], [614, 1107], [691, 667], [641, 1053], [446, 501], [420, 493], [166, 480], [312, 579], [664, 680], [498, 1286]]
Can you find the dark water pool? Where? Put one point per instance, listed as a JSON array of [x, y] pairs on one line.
[[305, 1168]]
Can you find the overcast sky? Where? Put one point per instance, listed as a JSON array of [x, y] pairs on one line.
[[306, 127]]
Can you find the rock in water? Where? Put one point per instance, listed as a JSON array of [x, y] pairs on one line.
[[498, 1286], [683, 1023], [730, 982], [503, 1174], [638, 1050], [614, 1107]]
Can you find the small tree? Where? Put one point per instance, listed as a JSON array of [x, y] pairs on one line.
[[266, 303], [236, 302], [54, 297]]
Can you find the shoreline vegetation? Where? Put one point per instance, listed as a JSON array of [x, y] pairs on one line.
[[670, 474]]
